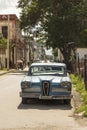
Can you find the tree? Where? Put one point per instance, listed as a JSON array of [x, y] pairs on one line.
[[83, 34], [3, 42], [62, 20]]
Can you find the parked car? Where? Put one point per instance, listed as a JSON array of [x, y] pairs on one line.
[[47, 81]]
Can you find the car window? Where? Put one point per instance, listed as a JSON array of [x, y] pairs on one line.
[[36, 70]]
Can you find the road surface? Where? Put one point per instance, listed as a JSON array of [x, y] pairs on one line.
[[36, 115]]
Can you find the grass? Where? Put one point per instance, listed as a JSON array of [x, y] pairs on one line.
[[3, 69], [79, 84]]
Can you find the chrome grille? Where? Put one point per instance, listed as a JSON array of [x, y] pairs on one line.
[[46, 88]]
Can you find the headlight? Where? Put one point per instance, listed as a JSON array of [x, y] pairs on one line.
[[25, 84], [66, 84]]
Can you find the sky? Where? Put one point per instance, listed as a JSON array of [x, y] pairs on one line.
[[9, 7]]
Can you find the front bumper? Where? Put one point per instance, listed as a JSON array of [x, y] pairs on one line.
[[56, 97], [37, 95]]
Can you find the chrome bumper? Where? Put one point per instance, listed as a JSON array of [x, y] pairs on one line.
[[37, 95], [29, 95], [56, 97]]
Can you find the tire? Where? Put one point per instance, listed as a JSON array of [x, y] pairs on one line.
[[24, 100]]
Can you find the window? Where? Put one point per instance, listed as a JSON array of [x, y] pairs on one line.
[[39, 70], [5, 31]]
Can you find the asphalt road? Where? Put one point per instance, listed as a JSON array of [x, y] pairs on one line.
[[36, 115]]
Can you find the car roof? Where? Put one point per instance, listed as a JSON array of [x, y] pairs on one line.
[[49, 64]]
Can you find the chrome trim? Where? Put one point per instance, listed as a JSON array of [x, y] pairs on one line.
[[37, 95], [60, 97], [29, 95], [46, 88], [32, 89], [59, 89]]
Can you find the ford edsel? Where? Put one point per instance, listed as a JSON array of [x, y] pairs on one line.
[[46, 81]]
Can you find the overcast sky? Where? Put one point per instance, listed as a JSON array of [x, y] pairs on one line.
[[9, 7]]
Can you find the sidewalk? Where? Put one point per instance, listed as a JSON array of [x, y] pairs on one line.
[[26, 68], [5, 71], [2, 72]]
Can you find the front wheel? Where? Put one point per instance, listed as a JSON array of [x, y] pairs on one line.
[[24, 100]]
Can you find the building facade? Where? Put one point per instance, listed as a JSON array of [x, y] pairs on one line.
[[10, 30]]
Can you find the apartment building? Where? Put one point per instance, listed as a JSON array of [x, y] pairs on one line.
[[9, 29]]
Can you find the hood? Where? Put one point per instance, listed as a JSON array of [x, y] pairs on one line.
[[56, 79]]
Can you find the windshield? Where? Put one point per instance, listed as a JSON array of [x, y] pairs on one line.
[[44, 70]]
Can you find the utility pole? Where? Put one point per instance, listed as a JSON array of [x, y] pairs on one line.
[[8, 45]]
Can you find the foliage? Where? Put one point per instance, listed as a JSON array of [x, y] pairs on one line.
[[83, 33], [82, 108], [3, 42], [56, 52], [78, 83], [77, 80], [64, 21], [61, 19]]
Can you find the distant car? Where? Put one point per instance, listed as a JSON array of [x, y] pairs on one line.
[[47, 81]]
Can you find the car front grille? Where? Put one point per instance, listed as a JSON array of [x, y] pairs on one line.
[[46, 88]]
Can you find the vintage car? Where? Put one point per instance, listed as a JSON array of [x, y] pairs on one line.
[[46, 81]]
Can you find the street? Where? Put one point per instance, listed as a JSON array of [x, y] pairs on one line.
[[36, 115]]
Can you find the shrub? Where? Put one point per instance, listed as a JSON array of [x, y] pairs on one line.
[[79, 84]]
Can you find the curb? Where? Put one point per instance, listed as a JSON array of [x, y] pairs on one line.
[[5, 72]]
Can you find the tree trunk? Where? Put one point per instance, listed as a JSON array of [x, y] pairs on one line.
[[67, 55]]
